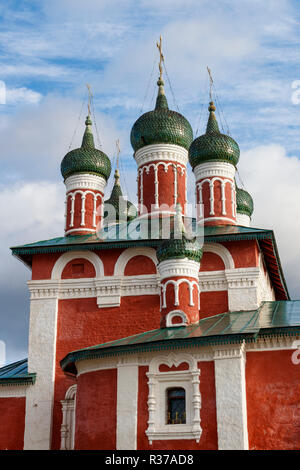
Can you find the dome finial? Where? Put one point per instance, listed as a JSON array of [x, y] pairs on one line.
[[88, 138], [212, 124], [161, 101]]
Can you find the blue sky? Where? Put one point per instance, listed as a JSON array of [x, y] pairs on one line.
[[50, 50]]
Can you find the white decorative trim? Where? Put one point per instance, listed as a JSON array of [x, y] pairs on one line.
[[161, 152], [67, 429], [211, 169], [176, 313], [243, 219], [13, 391], [108, 289], [221, 251], [85, 181], [80, 230], [127, 406], [83, 193], [178, 267], [226, 219], [158, 383], [231, 400], [42, 361], [176, 283], [64, 259], [130, 253]]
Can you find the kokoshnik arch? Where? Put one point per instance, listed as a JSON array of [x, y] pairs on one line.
[[156, 343]]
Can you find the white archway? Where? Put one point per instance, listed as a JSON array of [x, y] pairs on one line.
[[131, 253], [221, 251], [64, 259]]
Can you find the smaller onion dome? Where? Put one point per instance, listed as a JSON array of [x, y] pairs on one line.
[[244, 202], [124, 210], [213, 146], [179, 246], [86, 159], [161, 125]]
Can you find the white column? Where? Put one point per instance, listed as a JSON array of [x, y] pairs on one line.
[[41, 359], [231, 398], [127, 403]]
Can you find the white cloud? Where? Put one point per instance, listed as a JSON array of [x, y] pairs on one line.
[[22, 96], [272, 178]]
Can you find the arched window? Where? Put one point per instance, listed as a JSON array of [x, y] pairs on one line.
[[176, 408]]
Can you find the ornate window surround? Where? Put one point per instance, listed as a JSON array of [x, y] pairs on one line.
[[176, 313], [158, 383], [68, 421]]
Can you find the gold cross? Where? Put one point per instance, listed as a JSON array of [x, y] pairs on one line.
[[210, 83], [89, 98], [161, 57], [118, 152]]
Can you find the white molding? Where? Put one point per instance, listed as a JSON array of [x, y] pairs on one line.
[[211, 169], [13, 391], [161, 152], [230, 381], [130, 253], [127, 406], [67, 429], [243, 220], [177, 283], [42, 361], [85, 181], [64, 259], [225, 219], [108, 289], [221, 251], [178, 267], [176, 313], [158, 383], [82, 229]]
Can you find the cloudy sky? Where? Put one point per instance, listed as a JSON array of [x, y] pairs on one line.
[[49, 50]]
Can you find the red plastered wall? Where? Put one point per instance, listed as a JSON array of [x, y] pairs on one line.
[[96, 411], [12, 423], [273, 400], [82, 324], [208, 440], [213, 303]]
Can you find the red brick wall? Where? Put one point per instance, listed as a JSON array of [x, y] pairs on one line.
[[273, 400], [96, 411], [12, 423]]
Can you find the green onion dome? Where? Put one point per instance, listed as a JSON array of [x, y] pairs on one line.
[[244, 202], [179, 246], [161, 126], [213, 146], [86, 159], [124, 210]]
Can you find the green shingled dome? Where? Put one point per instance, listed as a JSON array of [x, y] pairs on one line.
[[161, 126], [86, 159], [213, 146], [179, 245], [244, 202], [124, 210]]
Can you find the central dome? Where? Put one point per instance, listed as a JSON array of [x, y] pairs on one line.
[[161, 126]]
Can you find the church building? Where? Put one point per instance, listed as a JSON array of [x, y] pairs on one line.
[[151, 329]]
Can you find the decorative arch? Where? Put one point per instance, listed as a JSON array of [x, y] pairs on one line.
[[221, 251], [68, 421], [173, 314], [64, 259], [129, 253]]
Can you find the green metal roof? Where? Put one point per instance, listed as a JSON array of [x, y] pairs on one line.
[[272, 318], [16, 374]]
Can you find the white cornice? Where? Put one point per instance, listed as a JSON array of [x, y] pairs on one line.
[[11, 391], [211, 169], [85, 181], [161, 152], [178, 267]]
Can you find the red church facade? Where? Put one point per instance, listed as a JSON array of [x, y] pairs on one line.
[[156, 342]]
